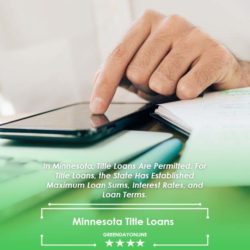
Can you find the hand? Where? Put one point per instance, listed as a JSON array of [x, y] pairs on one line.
[[162, 56]]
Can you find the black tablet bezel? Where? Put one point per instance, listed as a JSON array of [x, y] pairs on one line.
[[76, 136]]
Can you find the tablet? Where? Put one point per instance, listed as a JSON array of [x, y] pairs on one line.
[[75, 123]]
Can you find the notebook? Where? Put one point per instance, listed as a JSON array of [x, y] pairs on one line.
[[220, 138], [184, 115], [212, 110]]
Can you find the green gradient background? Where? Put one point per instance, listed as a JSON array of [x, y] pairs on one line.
[[228, 225], [228, 203]]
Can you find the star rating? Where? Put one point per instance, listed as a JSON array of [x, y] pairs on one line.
[[130, 243], [140, 243], [109, 243], [121, 243]]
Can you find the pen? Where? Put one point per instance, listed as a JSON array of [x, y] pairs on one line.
[[163, 153]]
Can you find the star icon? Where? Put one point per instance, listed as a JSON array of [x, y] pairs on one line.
[[119, 243], [109, 243], [130, 243], [140, 243]]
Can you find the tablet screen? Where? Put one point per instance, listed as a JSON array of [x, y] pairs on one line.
[[74, 117]]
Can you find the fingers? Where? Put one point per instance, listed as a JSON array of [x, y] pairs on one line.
[[98, 120], [155, 47], [207, 71], [153, 51], [126, 84], [115, 66], [161, 57], [156, 98], [171, 69], [177, 62]]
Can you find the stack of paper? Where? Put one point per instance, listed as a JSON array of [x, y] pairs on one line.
[[182, 114], [217, 109], [220, 138]]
